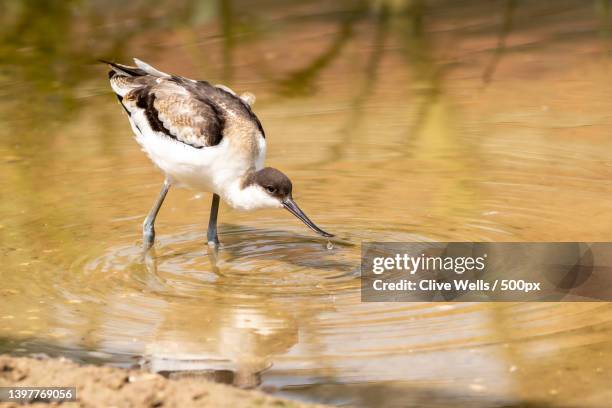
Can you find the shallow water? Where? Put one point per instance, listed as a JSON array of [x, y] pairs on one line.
[[396, 120]]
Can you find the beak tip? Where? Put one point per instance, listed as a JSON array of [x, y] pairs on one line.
[[293, 208]]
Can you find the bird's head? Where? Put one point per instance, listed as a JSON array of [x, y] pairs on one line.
[[270, 187]]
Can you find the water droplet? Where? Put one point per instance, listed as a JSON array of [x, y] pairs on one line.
[[330, 246]]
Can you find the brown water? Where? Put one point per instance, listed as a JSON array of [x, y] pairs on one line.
[[397, 121]]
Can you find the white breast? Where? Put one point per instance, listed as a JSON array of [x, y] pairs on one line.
[[212, 169]]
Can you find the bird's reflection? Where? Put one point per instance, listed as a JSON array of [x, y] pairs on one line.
[[223, 344], [231, 331]]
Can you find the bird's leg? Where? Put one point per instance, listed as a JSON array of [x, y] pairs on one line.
[[213, 239], [213, 253], [148, 228]]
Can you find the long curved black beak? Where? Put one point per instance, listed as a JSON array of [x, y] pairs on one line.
[[293, 208]]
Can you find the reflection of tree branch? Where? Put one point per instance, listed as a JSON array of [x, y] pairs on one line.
[[434, 134], [300, 82], [430, 98], [419, 54], [501, 42], [371, 70], [603, 9], [227, 21], [52, 67], [370, 79]]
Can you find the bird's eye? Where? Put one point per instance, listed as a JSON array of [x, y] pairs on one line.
[[271, 189]]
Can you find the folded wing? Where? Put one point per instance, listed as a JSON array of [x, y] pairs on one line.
[[172, 111], [188, 111]]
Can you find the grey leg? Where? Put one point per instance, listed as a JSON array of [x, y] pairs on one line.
[[213, 238], [148, 228]]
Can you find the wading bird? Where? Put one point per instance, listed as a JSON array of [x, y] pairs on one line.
[[204, 137]]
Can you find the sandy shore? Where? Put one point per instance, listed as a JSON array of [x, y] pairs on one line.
[[98, 386]]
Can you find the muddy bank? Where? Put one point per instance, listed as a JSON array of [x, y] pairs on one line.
[[114, 387]]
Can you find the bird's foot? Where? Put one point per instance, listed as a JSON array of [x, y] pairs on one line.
[[214, 243], [148, 237], [213, 240]]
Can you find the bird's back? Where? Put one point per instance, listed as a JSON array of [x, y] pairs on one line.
[[193, 112], [179, 120]]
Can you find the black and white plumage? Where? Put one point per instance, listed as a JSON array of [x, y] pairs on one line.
[[201, 136], [192, 112]]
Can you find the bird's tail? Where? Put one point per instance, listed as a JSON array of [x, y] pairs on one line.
[[124, 70], [149, 69], [141, 69]]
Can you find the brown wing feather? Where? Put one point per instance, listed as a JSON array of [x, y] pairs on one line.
[[195, 121], [171, 110], [191, 112]]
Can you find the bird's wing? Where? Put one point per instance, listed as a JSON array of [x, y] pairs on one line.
[[172, 111], [191, 112]]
